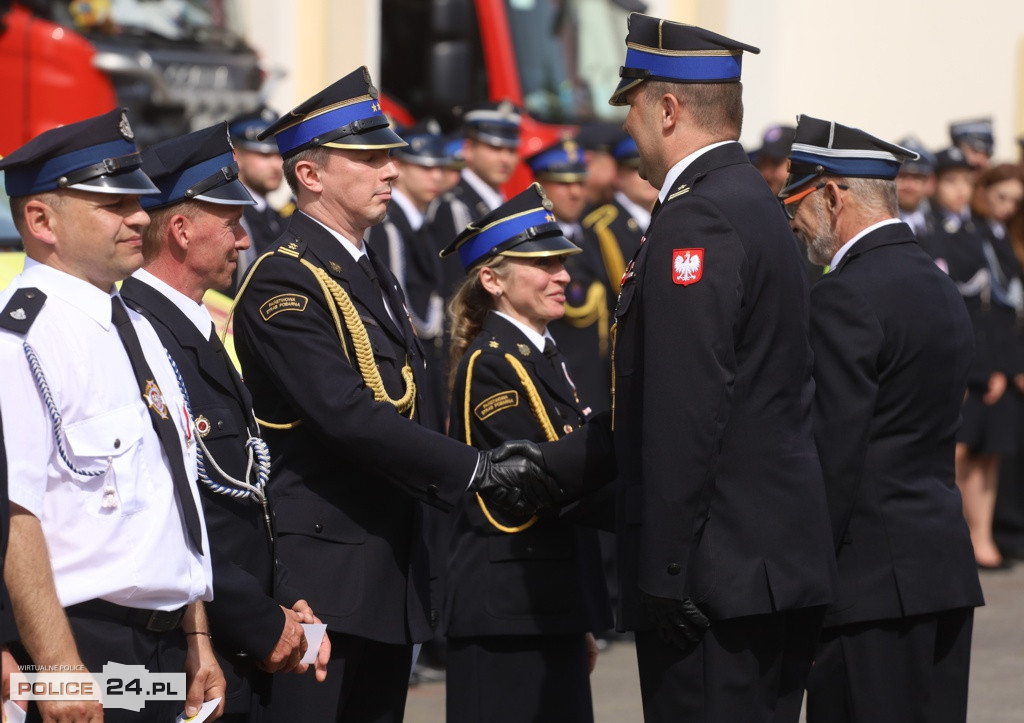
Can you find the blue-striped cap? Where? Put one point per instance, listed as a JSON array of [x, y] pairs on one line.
[[975, 133], [496, 124], [626, 153], [523, 226], [827, 148], [246, 128], [426, 145], [197, 166], [97, 154], [659, 49], [561, 162], [345, 114]]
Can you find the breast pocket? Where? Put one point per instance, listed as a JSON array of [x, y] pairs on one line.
[[106, 451], [625, 328]]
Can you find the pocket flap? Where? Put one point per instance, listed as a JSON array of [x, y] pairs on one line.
[[110, 434], [317, 519], [529, 547]]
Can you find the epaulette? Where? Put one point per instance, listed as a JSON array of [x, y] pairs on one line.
[[293, 248], [22, 310], [679, 190], [603, 214]]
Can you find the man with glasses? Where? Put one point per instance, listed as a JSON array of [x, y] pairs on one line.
[[892, 346]]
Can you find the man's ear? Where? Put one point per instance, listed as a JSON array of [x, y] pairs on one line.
[[181, 230], [40, 220], [670, 108], [307, 174]]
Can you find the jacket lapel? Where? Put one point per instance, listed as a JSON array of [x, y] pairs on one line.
[[893, 233]]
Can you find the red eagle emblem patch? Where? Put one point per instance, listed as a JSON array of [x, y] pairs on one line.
[[687, 266]]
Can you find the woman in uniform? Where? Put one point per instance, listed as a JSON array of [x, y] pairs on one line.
[[523, 596]]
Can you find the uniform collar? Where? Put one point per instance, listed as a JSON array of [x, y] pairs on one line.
[[679, 167], [412, 214], [356, 252], [198, 314], [93, 302], [492, 198], [849, 244], [536, 339], [641, 215]]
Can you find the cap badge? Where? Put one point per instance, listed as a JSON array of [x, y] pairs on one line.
[[572, 151], [523, 349], [18, 314], [687, 266], [155, 399], [125, 128]]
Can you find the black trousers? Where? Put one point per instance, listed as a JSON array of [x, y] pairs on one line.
[[517, 678], [101, 641], [745, 670], [367, 682], [903, 670]]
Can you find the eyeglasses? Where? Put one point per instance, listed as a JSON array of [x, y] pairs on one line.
[[790, 203]]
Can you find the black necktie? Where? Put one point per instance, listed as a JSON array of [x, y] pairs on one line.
[[550, 350], [367, 267], [165, 427]]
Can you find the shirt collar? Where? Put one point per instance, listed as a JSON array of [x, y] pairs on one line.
[[678, 168], [412, 214], [261, 201], [198, 314], [492, 198], [356, 252], [849, 244], [93, 302], [641, 215], [536, 339]]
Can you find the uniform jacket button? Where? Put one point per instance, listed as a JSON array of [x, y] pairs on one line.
[[674, 569], [318, 527], [220, 424], [431, 490]]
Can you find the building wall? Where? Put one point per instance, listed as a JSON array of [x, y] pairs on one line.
[[891, 67]]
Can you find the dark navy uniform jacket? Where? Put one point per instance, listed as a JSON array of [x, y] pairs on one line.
[[618, 235], [348, 470], [546, 579], [721, 498], [249, 589], [892, 347]]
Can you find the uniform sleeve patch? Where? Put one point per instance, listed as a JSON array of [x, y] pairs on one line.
[[495, 403], [687, 266], [283, 302]]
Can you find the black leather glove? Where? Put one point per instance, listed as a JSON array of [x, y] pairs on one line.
[[678, 621], [502, 478], [537, 485]]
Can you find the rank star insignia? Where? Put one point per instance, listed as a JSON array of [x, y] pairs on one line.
[[18, 314], [335, 266], [203, 425], [550, 217], [375, 107], [155, 398], [523, 349], [493, 344]]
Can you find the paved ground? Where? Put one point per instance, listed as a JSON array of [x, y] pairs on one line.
[[997, 675]]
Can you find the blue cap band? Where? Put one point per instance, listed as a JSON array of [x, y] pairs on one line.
[[555, 156], [303, 132], [31, 178], [686, 67], [172, 187], [857, 167], [484, 243]]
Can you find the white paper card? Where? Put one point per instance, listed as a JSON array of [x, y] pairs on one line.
[[204, 712], [314, 636]]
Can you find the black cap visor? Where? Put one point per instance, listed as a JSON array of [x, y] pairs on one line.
[[133, 183]]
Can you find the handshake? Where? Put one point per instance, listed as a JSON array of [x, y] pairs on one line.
[[512, 480]]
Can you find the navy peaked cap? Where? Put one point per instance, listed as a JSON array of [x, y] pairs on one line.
[[523, 226], [975, 133], [659, 49], [626, 153], [925, 161], [950, 158], [345, 114], [97, 154], [197, 166], [427, 145], [562, 162], [824, 147], [245, 129], [496, 124], [600, 136]]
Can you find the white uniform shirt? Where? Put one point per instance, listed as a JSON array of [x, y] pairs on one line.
[[135, 553]]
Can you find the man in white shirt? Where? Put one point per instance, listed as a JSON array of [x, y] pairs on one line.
[[108, 556]]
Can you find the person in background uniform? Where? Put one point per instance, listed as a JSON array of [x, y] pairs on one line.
[[402, 241], [108, 554], [598, 139], [582, 333], [892, 347], [490, 140], [620, 225], [772, 158], [975, 140], [260, 171], [915, 184], [333, 365], [998, 192], [192, 245], [1008, 522], [524, 596], [455, 161], [725, 556]]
